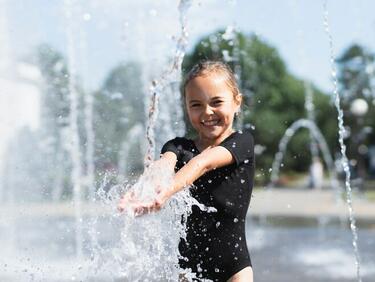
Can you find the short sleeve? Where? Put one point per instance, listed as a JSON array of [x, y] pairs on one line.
[[173, 146], [241, 145]]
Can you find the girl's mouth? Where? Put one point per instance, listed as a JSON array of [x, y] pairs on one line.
[[210, 122]]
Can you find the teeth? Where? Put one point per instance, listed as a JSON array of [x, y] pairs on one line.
[[210, 122]]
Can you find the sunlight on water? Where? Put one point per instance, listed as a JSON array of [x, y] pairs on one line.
[[148, 245]]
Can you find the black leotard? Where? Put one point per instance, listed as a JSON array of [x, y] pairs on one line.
[[215, 246]]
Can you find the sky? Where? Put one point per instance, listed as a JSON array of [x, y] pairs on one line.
[[106, 33], [122, 30]]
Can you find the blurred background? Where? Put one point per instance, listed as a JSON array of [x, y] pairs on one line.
[[76, 81]]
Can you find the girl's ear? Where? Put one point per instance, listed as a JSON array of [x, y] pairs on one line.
[[238, 99]]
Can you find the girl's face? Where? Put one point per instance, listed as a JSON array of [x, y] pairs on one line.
[[211, 106]]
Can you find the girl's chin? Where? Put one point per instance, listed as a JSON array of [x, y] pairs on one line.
[[213, 132]]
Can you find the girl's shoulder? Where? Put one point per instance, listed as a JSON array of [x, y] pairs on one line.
[[178, 145], [242, 136], [241, 145], [179, 141]]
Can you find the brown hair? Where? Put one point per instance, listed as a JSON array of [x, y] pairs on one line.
[[209, 67]]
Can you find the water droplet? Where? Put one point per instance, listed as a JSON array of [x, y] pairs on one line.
[[217, 224], [86, 16], [209, 181], [270, 170], [207, 249], [246, 161], [235, 220], [217, 270], [242, 181], [282, 165], [234, 145], [236, 245], [153, 12], [229, 204]]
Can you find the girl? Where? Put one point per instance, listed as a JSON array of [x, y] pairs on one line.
[[219, 166]]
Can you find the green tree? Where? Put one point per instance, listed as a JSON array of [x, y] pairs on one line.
[[356, 73]]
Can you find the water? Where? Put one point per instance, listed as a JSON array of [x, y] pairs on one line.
[[318, 137], [147, 248], [74, 148], [306, 253], [95, 243], [88, 119], [342, 133], [284, 252], [171, 75], [133, 256], [133, 136]]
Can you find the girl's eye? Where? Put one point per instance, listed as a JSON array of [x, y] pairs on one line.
[[217, 102], [194, 105]]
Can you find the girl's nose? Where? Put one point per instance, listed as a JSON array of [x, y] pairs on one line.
[[208, 110]]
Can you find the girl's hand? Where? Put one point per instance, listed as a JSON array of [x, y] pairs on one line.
[[142, 207], [128, 200], [155, 205]]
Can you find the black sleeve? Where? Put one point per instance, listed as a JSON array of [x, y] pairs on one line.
[[241, 146], [172, 146]]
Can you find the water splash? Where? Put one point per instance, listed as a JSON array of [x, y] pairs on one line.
[[173, 74], [342, 134], [147, 249]]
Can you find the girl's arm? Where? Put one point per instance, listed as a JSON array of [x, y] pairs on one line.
[[167, 161], [209, 159]]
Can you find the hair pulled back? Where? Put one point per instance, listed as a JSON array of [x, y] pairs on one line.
[[208, 67]]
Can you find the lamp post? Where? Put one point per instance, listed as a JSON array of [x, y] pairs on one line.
[[359, 108]]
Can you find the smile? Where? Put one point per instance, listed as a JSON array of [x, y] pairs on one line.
[[210, 122]]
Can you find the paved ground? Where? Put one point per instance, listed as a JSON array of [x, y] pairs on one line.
[[307, 203], [284, 202]]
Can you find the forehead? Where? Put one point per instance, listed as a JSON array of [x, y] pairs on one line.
[[208, 85]]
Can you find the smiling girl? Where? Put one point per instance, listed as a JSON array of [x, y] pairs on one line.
[[218, 168]]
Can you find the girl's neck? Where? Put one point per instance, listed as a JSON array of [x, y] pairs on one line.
[[203, 143]]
